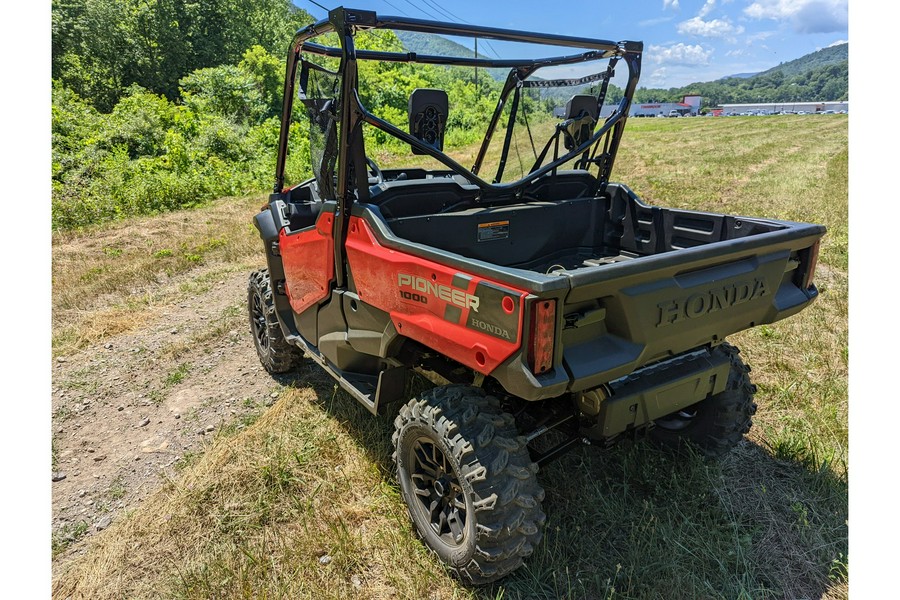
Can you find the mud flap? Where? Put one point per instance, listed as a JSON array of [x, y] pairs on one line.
[[391, 387]]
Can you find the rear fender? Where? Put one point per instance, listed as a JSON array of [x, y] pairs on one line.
[[472, 320], [268, 229]]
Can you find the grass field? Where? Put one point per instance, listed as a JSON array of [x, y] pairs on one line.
[[256, 513]]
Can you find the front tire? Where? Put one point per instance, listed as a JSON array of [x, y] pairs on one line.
[[275, 353], [714, 425], [468, 482]]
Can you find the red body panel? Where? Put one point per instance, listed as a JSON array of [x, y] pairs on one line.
[[308, 258], [439, 312]]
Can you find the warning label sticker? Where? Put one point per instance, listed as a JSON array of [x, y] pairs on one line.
[[496, 230]]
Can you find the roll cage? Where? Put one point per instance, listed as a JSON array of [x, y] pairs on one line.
[[351, 112]]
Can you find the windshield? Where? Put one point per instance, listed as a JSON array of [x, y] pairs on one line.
[[319, 92]]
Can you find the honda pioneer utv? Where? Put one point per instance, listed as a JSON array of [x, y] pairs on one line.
[[553, 300]]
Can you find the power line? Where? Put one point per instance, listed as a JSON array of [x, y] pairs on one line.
[[496, 54], [395, 7], [449, 14], [320, 6], [430, 14], [494, 50], [423, 11], [454, 17]]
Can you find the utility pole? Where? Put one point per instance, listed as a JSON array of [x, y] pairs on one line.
[[477, 91]]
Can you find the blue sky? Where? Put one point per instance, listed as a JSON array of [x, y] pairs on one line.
[[685, 41]]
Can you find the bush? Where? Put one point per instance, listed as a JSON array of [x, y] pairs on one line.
[[227, 91], [150, 155], [139, 122]]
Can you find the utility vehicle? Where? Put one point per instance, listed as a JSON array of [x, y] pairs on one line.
[[555, 307]]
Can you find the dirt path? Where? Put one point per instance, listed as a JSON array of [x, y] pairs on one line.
[[128, 409]]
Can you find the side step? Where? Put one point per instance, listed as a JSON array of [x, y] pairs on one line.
[[369, 390]]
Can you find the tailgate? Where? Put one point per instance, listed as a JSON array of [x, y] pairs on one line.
[[621, 316]]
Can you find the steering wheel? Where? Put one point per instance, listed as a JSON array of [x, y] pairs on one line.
[[374, 168]]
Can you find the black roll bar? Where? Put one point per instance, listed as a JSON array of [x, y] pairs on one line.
[[493, 33], [457, 61], [346, 21]]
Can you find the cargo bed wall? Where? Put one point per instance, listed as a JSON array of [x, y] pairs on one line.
[[628, 314], [642, 229], [572, 234], [520, 235]]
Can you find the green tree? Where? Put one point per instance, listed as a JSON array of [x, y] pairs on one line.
[[100, 47], [268, 72]]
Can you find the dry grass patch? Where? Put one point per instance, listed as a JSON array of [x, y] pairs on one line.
[[106, 279], [231, 318], [85, 328], [257, 512]]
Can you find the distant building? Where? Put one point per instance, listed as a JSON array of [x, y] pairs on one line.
[[694, 101], [783, 107], [689, 105]]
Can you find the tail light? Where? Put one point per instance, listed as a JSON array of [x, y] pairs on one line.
[[811, 259], [543, 329]]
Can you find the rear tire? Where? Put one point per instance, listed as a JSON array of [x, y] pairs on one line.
[[468, 482], [275, 353], [716, 424]]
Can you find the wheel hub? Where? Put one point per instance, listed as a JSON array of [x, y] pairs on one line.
[[259, 323], [442, 486], [437, 488]]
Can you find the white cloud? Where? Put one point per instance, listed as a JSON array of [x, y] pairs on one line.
[[758, 36], [831, 45], [668, 3], [657, 78], [706, 8], [716, 28], [679, 53], [656, 21], [771, 9], [806, 16]]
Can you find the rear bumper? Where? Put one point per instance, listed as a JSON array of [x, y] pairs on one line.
[[655, 391]]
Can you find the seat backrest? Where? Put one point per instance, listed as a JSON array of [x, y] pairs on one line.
[[428, 110], [584, 112]]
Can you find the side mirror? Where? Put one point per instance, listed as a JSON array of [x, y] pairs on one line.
[[428, 117]]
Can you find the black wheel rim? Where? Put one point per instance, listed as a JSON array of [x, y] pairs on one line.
[[258, 319], [439, 497]]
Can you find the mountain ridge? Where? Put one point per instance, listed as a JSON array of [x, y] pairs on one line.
[[826, 56]]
